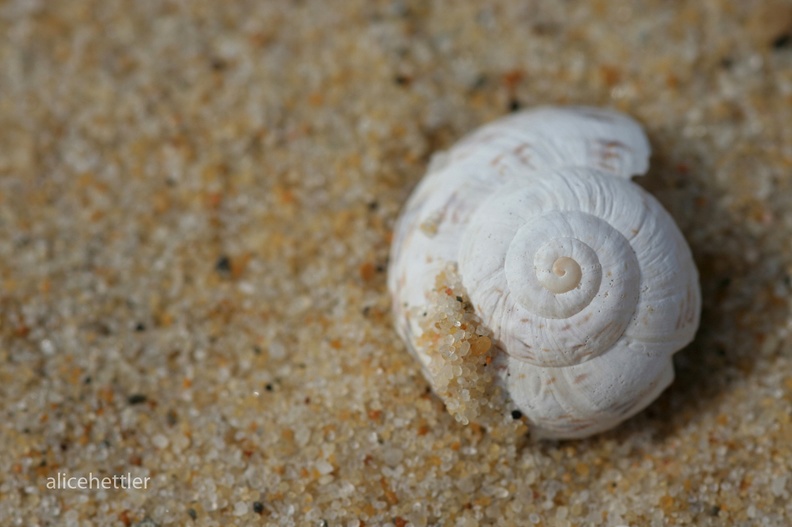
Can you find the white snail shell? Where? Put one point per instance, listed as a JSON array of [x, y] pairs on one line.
[[584, 280]]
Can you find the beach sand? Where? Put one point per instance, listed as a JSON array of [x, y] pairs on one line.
[[196, 205]]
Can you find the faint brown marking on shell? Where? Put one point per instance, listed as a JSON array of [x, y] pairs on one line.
[[580, 378], [686, 312], [497, 160], [613, 144], [609, 154], [500, 165], [454, 208], [520, 153]]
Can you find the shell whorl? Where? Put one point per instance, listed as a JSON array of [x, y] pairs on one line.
[[518, 240]]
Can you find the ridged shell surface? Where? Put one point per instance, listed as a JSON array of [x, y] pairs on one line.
[[583, 278]]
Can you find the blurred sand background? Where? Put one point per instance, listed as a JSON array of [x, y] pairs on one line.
[[196, 202]]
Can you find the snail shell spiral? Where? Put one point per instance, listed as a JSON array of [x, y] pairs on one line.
[[584, 280]]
